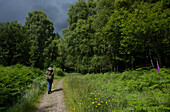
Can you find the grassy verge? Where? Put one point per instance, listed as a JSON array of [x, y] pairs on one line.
[[134, 91], [29, 101]]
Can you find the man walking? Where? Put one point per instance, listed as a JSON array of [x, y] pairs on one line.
[[49, 76]]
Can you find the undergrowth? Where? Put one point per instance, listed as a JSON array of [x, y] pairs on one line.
[[131, 91], [20, 86], [28, 102]]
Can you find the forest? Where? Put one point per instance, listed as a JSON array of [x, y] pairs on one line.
[[103, 36], [116, 35]]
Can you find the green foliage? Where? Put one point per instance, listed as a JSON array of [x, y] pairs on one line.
[[59, 72], [15, 81], [77, 11], [102, 36], [29, 101], [33, 44], [40, 30], [14, 44], [115, 35], [137, 91]]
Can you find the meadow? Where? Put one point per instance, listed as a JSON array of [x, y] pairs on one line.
[[141, 90]]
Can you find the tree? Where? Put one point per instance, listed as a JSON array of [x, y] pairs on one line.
[[40, 30], [114, 35], [77, 11], [14, 44], [145, 34]]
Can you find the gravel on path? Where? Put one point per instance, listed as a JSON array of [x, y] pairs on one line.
[[53, 102]]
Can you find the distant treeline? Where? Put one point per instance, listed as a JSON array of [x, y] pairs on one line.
[[102, 35]]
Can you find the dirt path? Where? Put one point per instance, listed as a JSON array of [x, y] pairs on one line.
[[53, 102]]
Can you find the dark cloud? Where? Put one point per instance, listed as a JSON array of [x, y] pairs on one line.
[[56, 10]]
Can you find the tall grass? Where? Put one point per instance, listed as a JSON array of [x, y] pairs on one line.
[[28, 102], [134, 91]]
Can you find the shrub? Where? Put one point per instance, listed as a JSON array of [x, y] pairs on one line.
[[59, 72], [14, 82]]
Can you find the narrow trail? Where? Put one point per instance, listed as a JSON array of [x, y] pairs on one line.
[[53, 102]]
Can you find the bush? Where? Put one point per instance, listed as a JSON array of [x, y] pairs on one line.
[[14, 82], [59, 72]]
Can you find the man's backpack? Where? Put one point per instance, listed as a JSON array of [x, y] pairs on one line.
[[49, 75]]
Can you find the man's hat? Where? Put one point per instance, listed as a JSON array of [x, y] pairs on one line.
[[50, 68]]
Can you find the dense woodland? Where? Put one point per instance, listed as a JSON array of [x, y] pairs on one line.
[[114, 35], [102, 35]]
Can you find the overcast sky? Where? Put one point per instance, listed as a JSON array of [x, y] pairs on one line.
[[56, 11]]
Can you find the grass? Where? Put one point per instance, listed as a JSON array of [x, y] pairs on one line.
[[27, 103], [131, 91]]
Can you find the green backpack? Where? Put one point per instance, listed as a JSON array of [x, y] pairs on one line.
[[49, 75]]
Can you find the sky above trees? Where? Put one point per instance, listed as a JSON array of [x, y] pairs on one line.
[[56, 11]]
